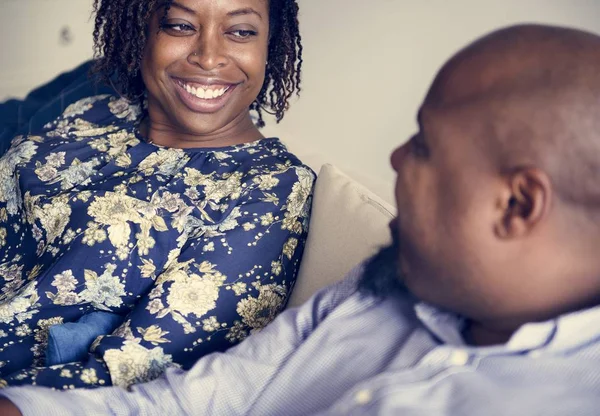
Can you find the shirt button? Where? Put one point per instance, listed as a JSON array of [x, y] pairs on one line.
[[363, 396], [459, 358]]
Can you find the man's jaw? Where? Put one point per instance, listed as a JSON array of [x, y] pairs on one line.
[[382, 276]]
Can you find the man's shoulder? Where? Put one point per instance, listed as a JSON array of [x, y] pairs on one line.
[[330, 297], [344, 298]]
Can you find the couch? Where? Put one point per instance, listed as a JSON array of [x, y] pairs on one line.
[[349, 223]]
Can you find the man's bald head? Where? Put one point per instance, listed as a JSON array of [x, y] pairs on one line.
[[541, 85], [498, 200], [521, 58]]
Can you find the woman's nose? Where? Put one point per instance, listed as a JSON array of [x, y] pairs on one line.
[[209, 53]]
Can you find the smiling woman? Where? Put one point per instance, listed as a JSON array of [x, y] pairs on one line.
[[144, 230], [242, 34], [203, 68]]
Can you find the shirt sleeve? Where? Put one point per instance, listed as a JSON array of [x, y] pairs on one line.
[[474, 393], [226, 383], [226, 283]]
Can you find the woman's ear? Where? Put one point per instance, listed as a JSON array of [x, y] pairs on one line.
[[525, 203]]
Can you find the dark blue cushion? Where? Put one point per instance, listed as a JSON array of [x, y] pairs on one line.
[[46, 103]]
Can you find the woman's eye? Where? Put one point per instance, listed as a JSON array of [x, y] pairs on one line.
[[179, 28], [243, 34]]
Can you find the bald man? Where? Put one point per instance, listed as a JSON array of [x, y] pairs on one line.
[[488, 301]]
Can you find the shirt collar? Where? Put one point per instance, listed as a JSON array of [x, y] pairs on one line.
[[445, 326], [576, 329], [564, 333]]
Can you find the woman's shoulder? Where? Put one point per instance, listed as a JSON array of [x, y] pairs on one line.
[[287, 162], [102, 109], [271, 156], [280, 171]]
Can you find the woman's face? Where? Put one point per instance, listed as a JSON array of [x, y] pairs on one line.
[[205, 65]]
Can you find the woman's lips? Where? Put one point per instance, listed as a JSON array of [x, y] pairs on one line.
[[204, 97]]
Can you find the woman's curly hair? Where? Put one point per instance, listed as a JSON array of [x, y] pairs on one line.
[[120, 35]]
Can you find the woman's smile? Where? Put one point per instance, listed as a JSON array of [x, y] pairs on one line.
[[204, 95]]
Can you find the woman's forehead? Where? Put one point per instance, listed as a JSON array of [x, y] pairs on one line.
[[227, 6]]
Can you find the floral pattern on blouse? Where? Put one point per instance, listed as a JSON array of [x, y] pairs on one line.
[[194, 249]]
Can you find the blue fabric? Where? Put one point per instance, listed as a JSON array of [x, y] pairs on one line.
[[71, 341], [342, 353], [46, 102], [194, 248]]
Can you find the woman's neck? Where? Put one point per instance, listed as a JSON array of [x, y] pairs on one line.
[[168, 135]]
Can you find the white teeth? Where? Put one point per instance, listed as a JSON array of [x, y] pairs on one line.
[[206, 94]]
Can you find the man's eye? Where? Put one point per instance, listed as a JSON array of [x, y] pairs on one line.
[[419, 147], [243, 34]]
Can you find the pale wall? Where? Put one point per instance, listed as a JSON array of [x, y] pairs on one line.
[[32, 47], [367, 64]]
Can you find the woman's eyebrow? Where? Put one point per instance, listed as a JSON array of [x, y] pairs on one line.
[[233, 13], [180, 6], [244, 11]]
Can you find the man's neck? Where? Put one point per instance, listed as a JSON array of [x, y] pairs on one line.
[[479, 335]]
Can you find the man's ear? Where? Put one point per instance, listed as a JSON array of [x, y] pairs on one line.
[[524, 203]]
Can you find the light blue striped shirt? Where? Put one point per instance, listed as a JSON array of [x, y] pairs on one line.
[[345, 354]]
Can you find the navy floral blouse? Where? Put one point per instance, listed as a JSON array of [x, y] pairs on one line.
[[193, 249]]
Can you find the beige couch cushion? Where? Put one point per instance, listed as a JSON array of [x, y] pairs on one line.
[[348, 224]]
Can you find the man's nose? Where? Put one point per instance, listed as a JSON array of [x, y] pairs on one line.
[[398, 155]]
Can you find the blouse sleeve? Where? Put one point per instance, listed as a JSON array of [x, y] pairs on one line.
[[228, 281]]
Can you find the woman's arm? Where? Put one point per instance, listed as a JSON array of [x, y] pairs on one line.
[[224, 285]]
